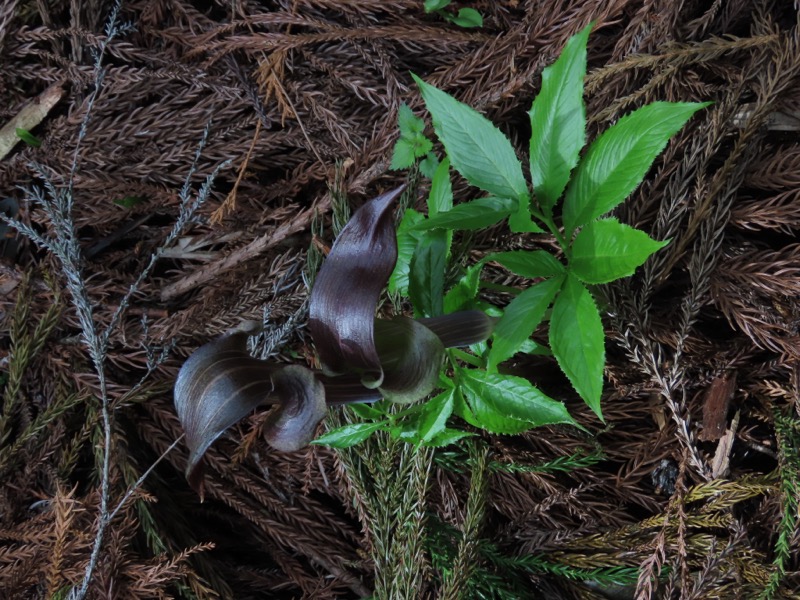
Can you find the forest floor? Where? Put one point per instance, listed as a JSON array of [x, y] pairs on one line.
[[689, 490]]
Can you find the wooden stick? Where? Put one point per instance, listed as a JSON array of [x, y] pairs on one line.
[[251, 250], [266, 241]]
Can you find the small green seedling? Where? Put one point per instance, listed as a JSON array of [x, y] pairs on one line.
[[129, 201], [570, 191], [567, 197], [27, 137], [466, 17], [412, 143]]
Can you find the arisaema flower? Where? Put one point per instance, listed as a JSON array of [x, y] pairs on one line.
[[363, 358]]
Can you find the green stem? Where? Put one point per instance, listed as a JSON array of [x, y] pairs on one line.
[[393, 418], [471, 359], [499, 287], [553, 228]]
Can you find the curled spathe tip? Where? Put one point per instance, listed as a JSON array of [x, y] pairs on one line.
[[220, 384], [348, 287]]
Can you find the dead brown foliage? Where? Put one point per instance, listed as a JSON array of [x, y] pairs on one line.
[[290, 88]]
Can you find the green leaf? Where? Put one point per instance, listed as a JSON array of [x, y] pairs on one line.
[[520, 319], [467, 17], [577, 341], [349, 435], [422, 146], [488, 418], [440, 198], [489, 308], [27, 137], [619, 159], [403, 155], [407, 240], [435, 414], [365, 411], [447, 437], [462, 409], [528, 263], [410, 124], [520, 221], [426, 277], [412, 143], [129, 201], [434, 5], [462, 294], [558, 122], [534, 349], [428, 165], [446, 382], [476, 214], [606, 250], [480, 350], [477, 149], [507, 404], [407, 431]]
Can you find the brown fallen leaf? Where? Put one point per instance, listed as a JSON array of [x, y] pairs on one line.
[[715, 406]]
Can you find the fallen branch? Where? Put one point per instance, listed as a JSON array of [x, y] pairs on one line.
[[266, 241]]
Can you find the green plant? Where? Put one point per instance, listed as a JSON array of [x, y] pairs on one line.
[[787, 430], [593, 250], [466, 17], [365, 359]]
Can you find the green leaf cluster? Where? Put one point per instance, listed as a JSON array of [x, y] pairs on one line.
[[571, 189], [594, 250], [423, 424], [412, 143]]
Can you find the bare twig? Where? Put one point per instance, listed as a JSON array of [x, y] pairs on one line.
[[141, 480], [263, 243]]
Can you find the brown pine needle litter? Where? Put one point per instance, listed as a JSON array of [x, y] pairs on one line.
[[294, 106]]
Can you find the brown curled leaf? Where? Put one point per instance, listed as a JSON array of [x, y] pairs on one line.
[[347, 389], [461, 328], [217, 386], [411, 356], [347, 289], [220, 384], [293, 422]]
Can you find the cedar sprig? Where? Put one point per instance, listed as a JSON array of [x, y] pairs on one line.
[[458, 583], [787, 430], [26, 344], [455, 460], [485, 582], [618, 575]]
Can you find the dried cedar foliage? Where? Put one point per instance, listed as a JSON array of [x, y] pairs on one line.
[[290, 88]]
